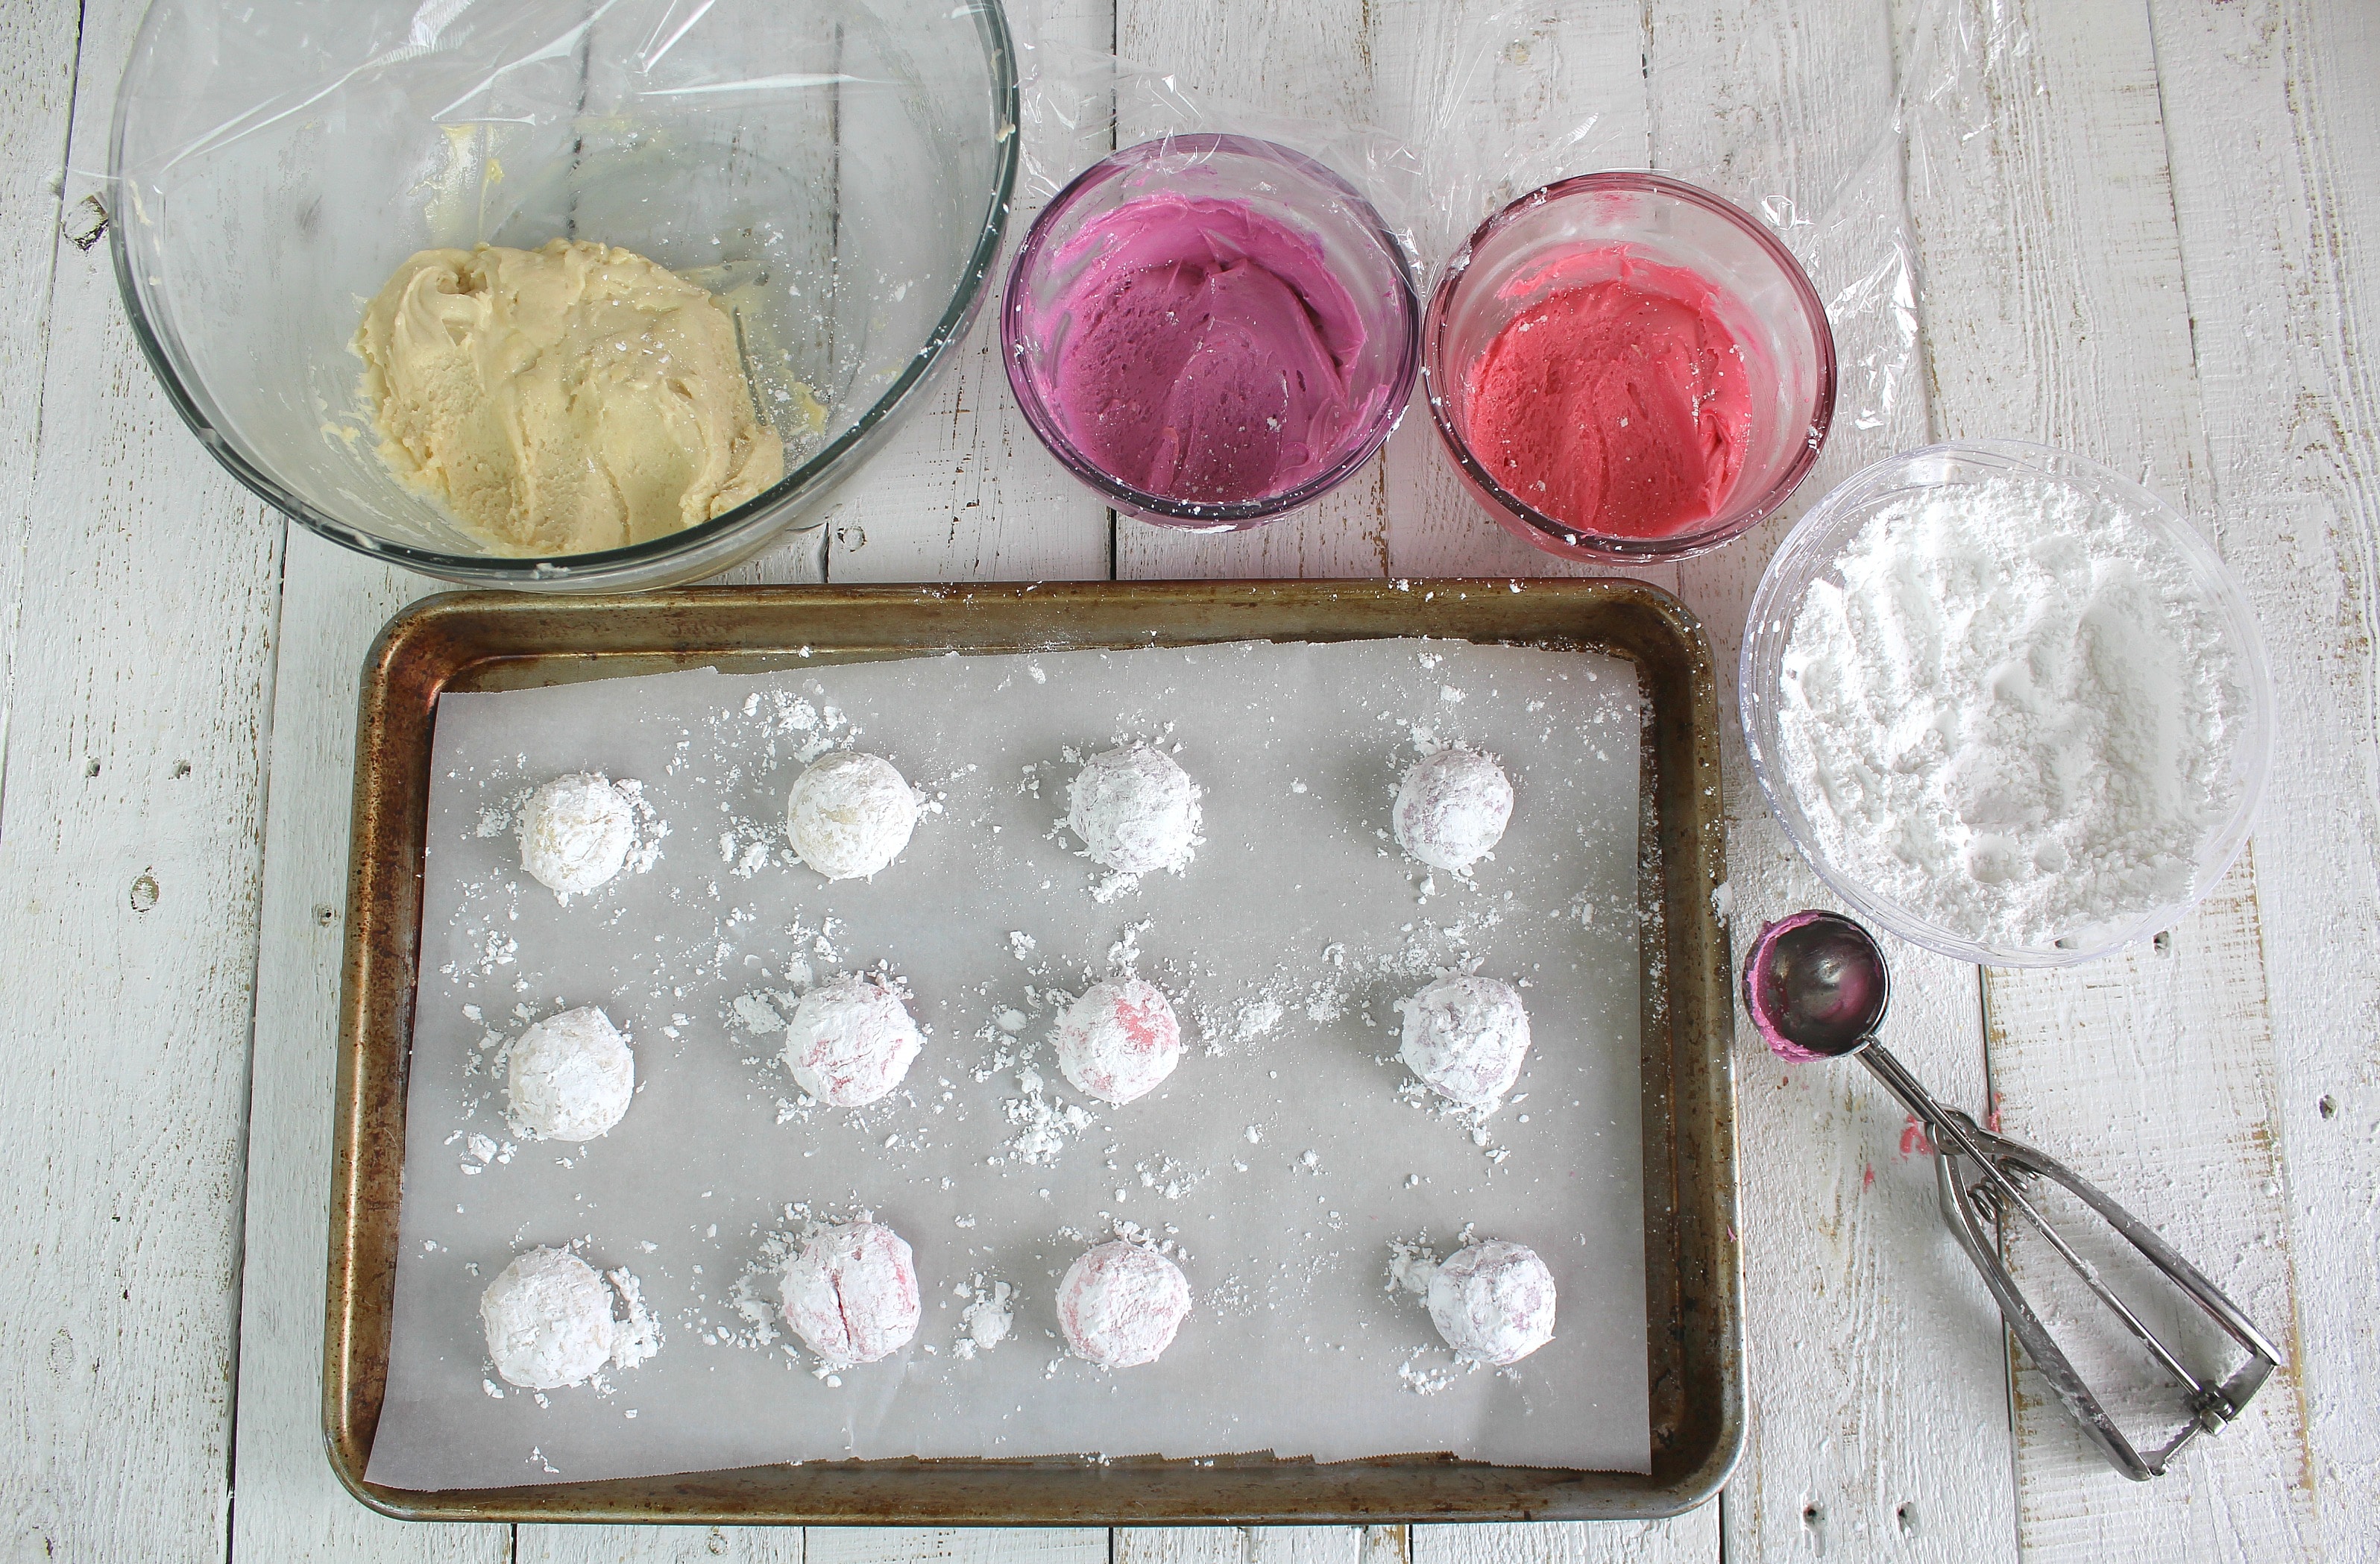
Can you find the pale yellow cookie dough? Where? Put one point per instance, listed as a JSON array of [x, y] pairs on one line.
[[564, 399]]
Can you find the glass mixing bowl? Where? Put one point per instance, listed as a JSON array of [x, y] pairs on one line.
[[836, 171], [1587, 229], [1813, 551]]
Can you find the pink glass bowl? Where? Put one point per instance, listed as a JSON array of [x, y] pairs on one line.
[[1284, 185], [1766, 301]]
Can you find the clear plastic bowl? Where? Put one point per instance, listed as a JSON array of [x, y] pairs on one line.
[[1277, 182], [836, 171], [1766, 301], [1810, 554]]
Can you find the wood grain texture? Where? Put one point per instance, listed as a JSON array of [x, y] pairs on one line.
[[1852, 1284], [1688, 1539], [129, 868], [289, 1506], [1310, 58], [923, 1545], [1239, 1545], [2055, 311], [660, 1545], [965, 492], [37, 84], [2268, 114]]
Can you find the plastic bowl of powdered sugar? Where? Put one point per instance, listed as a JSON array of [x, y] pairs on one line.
[[2008, 703]]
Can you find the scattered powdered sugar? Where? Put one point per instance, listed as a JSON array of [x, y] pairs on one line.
[[2014, 715], [989, 1317]]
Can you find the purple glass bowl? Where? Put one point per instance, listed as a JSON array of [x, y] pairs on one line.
[[1774, 312], [1291, 189]]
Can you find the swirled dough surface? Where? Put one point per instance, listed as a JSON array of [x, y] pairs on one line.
[[564, 399]]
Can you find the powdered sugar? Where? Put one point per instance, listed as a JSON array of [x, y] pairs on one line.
[[1136, 810], [551, 1321], [575, 833], [850, 815], [851, 1294], [2013, 716], [1451, 808], [850, 1040], [568, 1078], [1493, 1302], [1120, 1304], [1119, 1041], [1466, 1036]]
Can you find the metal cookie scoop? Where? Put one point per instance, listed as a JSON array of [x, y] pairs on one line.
[[1815, 986]]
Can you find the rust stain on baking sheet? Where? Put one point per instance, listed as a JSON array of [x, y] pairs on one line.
[[494, 641]]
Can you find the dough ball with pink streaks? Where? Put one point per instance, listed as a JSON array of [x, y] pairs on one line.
[[1120, 1304], [851, 1040], [1493, 1302], [851, 1294], [1119, 1041]]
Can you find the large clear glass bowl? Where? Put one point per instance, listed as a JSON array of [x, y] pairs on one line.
[[1812, 552], [837, 172]]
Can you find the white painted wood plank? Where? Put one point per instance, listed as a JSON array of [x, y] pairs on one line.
[[1239, 1545], [288, 1505], [931, 1544], [1693, 1539], [2268, 114], [127, 927], [1878, 1415], [37, 84], [2055, 311], [965, 492], [1312, 58], [659, 1545]]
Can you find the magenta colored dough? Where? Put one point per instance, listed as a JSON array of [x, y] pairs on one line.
[[1203, 351], [1779, 1044]]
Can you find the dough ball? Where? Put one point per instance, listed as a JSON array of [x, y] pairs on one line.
[[1467, 1037], [1493, 1302], [852, 1293], [1135, 808], [1119, 1041], [576, 832], [1120, 1304], [850, 1041], [850, 815], [1453, 808], [572, 1076], [548, 1320]]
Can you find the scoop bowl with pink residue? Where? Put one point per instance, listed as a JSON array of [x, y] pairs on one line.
[[1210, 331], [1625, 368]]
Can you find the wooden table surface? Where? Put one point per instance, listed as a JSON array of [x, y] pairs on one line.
[[2160, 247]]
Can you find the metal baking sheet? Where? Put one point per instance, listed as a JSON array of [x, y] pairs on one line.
[[1028, 605]]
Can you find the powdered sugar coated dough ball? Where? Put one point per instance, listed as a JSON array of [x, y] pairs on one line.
[[850, 815], [1119, 1041], [850, 1041], [548, 1320], [1467, 1037], [1493, 1302], [1452, 809], [852, 1293], [571, 1077], [576, 832], [1120, 1304], [1135, 808]]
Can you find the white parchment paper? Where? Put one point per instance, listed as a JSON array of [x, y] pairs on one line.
[[1279, 1165]]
